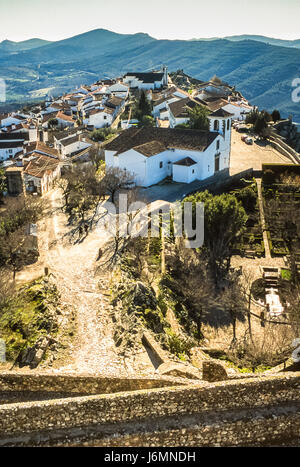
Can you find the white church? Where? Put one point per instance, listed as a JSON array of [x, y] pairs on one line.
[[152, 154]]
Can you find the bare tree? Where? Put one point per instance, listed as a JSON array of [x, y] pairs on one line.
[[82, 190], [233, 301], [193, 283], [116, 179]]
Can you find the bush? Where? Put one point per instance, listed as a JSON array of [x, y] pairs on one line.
[[102, 134], [276, 115], [269, 177], [247, 196], [177, 345]]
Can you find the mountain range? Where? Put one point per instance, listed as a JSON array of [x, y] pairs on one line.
[[262, 71], [265, 39]]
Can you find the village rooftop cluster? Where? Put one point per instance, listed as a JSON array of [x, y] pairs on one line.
[[37, 142]]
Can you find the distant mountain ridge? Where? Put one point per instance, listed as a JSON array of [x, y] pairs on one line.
[[11, 46], [248, 37], [261, 71]]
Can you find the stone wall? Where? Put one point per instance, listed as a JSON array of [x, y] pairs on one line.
[[76, 384], [153, 404], [274, 430], [289, 131]]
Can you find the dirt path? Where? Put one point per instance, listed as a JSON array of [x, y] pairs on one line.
[[73, 266]]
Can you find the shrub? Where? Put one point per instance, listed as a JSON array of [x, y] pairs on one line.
[[102, 134], [177, 345], [247, 197]]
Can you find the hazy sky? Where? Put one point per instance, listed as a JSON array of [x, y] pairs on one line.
[[162, 19]]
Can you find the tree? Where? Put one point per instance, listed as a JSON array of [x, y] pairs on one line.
[[144, 105], [224, 221], [276, 115], [233, 301], [52, 122], [266, 116], [82, 189], [2, 184], [102, 134], [15, 251], [190, 274], [252, 116], [17, 213], [116, 179], [199, 117], [141, 107], [146, 121], [6, 289], [260, 125]]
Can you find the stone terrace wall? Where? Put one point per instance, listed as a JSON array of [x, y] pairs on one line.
[[146, 404], [76, 384], [276, 430]]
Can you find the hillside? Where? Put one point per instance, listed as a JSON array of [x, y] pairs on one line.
[[7, 46], [262, 72], [265, 39]]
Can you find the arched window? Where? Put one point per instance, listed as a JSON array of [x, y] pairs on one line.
[[216, 125]]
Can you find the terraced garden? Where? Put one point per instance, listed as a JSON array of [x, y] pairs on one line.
[[281, 193]]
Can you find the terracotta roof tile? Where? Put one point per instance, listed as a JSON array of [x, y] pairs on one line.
[[170, 137]]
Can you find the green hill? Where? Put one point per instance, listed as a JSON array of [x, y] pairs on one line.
[[262, 72]]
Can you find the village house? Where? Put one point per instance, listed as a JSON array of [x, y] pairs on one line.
[[153, 80], [12, 119], [100, 118], [214, 86], [115, 103], [11, 144], [63, 120], [238, 109], [72, 145], [41, 148], [28, 128], [119, 90], [152, 154], [36, 175], [40, 173], [178, 111], [160, 105]]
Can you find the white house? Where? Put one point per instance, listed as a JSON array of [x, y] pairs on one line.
[[179, 111], [100, 118], [119, 90], [153, 80], [161, 103], [71, 145], [29, 130], [239, 110], [10, 145], [39, 147], [13, 119], [152, 154]]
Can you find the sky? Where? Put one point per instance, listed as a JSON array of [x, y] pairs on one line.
[[162, 19]]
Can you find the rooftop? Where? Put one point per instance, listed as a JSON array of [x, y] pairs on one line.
[[147, 77], [41, 147], [40, 165], [170, 138], [180, 108], [187, 161], [221, 113]]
